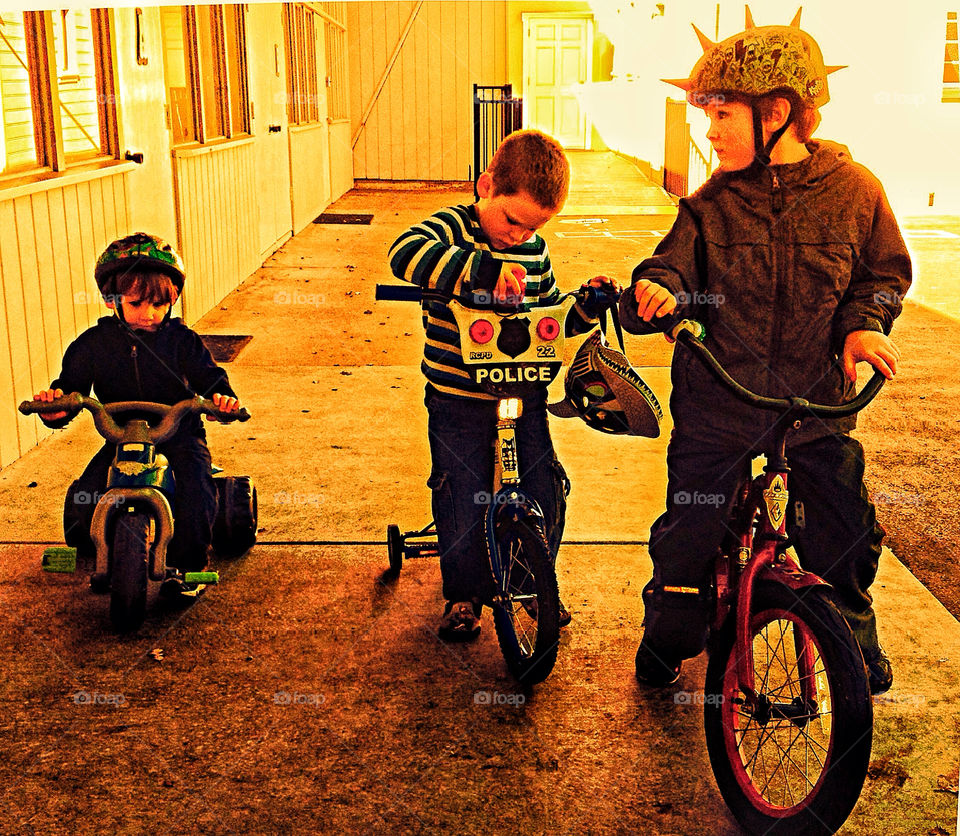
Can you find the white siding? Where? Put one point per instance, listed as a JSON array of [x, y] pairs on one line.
[[420, 126]]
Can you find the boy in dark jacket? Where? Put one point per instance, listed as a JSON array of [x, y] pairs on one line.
[[141, 354], [791, 257]]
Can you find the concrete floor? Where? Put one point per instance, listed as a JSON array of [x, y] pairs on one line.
[[338, 450]]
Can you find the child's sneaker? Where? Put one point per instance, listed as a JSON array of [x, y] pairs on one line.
[[177, 591], [654, 669], [460, 622], [880, 673]]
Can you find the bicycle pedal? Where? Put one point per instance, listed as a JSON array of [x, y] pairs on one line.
[[201, 577], [59, 559]]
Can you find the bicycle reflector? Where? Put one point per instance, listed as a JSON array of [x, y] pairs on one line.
[[548, 328], [509, 409], [481, 331]]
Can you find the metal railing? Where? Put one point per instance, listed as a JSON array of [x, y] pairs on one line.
[[685, 168], [496, 113]]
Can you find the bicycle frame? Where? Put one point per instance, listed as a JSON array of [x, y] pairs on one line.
[[760, 518], [761, 555]]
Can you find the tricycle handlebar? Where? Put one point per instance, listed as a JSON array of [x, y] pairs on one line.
[[102, 414]]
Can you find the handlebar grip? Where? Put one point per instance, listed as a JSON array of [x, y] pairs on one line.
[[68, 403], [689, 326], [398, 293]]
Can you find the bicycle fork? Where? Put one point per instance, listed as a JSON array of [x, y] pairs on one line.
[[770, 561]]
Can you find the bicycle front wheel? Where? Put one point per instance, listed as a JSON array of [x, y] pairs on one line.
[[526, 609], [795, 763]]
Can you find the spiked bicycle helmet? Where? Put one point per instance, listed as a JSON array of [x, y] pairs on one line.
[[138, 252], [605, 391], [758, 61]]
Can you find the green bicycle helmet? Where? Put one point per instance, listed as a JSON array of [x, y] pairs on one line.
[[604, 390], [141, 252]]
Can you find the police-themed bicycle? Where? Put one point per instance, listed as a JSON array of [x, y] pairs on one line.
[[507, 355]]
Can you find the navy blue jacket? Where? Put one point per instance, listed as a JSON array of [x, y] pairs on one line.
[[120, 364]]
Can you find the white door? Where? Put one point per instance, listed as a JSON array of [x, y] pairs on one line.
[[268, 94], [556, 61]]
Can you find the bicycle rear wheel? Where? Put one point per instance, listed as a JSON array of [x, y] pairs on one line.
[[526, 609], [796, 763]]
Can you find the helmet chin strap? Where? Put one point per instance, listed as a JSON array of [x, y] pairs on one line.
[[762, 156]]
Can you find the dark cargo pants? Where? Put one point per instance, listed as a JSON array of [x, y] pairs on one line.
[[462, 435], [840, 540]]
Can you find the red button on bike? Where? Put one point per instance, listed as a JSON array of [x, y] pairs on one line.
[[548, 328], [481, 331]]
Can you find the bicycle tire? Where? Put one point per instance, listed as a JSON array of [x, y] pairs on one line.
[[132, 540], [394, 550], [526, 609], [791, 768]]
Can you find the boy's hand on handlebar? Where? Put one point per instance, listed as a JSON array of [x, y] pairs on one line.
[[653, 300], [604, 283], [47, 395], [511, 284], [224, 404], [871, 347]]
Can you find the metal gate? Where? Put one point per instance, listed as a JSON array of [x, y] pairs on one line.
[[496, 113]]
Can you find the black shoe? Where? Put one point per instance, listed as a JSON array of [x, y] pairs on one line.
[[880, 673], [655, 669], [460, 622], [565, 617]]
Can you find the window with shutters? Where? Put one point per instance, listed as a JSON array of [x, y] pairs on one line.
[[951, 62], [57, 92], [205, 66], [338, 106], [300, 31]]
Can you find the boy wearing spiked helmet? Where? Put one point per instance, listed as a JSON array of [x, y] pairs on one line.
[[141, 354], [801, 245]]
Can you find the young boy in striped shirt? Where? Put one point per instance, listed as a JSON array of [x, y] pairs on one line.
[[485, 255]]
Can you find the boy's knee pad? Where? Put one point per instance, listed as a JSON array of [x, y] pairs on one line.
[[676, 619]]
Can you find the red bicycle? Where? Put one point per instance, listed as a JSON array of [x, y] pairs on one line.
[[788, 715]]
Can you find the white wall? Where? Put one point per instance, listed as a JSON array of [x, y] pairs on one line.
[[885, 106]]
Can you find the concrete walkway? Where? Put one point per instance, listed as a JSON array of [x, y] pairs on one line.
[[338, 450]]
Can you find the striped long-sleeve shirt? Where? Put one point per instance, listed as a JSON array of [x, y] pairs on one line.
[[449, 254]]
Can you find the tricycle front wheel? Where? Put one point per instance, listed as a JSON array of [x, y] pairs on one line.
[[130, 556]]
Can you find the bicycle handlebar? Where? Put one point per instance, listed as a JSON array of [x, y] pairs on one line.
[[690, 333], [113, 432]]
